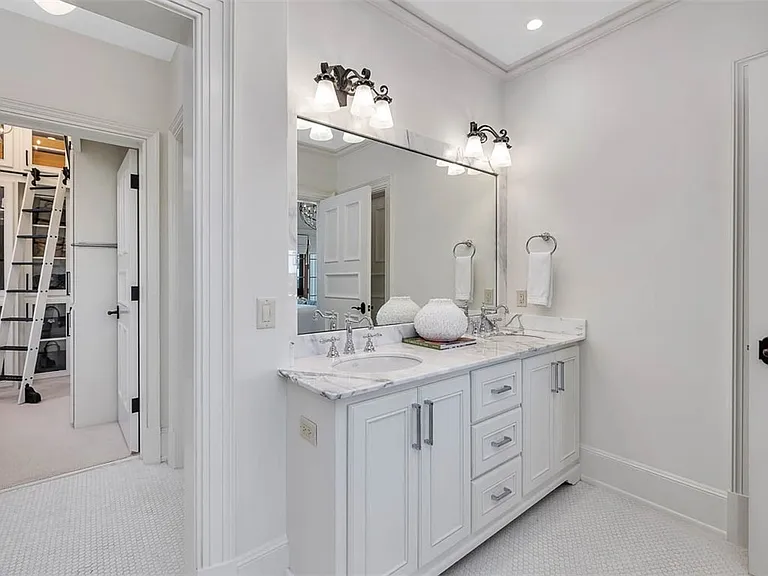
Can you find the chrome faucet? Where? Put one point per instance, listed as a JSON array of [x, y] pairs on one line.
[[517, 317], [349, 321], [485, 311], [331, 315]]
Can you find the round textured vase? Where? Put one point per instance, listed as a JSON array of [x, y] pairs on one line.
[[397, 310], [441, 321]]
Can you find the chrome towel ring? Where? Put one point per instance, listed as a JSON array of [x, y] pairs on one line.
[[546, 236], [468, 244]]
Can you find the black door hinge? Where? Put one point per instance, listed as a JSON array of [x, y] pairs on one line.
[[134, 405], [134, 181], [134, 293]]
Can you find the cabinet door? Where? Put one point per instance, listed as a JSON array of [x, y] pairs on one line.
[[445, 467], [567, 408], [538, 420], [383, 485]]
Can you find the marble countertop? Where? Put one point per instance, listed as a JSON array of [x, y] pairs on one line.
[[317, 374]]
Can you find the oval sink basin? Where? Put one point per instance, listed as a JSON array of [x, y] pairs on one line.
[[374, 363]]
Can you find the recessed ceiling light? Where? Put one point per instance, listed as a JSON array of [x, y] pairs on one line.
[[534, 24]]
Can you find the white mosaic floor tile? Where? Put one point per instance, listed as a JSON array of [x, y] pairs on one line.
[[584, 530], [124, 519]]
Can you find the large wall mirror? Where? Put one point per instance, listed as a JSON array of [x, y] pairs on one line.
[[376, 220]]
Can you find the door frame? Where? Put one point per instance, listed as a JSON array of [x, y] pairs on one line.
[[738, 495], [148, 144]]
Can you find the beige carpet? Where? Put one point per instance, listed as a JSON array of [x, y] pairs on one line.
[[37, 441]]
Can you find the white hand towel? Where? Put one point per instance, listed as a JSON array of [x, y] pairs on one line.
[[540, 278], [463, 278]]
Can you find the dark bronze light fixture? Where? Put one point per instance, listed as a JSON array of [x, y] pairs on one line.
[[336, 83], [478, 135]]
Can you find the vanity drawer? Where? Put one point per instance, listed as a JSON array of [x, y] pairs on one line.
[[495, 441], [496, 493], [495, 389]]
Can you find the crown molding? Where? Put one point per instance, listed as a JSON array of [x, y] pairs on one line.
[[322, 151], [584, 37], [414, 19], [432, 31]]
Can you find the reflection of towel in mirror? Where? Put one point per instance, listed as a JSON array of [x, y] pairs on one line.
[[540, 278], [463, 278]]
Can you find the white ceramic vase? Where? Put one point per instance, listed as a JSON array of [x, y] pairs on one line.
[[441, 321], [397, 310]]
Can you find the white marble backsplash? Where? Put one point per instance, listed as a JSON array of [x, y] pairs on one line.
[[554, 324], [309, 344]]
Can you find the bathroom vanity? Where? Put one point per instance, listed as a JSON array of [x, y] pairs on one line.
[[406, 471]]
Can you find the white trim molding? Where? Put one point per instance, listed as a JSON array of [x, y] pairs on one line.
[[267, 560], [698, 502], [415, 19]]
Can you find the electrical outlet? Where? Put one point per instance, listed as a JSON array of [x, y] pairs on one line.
[[522, 298], [308, 430], [488, 298]]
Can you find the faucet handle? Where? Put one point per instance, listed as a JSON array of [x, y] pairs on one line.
[[333, 352], [369, 347]]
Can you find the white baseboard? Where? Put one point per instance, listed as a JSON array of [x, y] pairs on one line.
[[163, 444], [738, 519], [703, 504], [271, 559]]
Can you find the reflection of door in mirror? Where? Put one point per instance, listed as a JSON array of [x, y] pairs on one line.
[[379, 284], [344, 250]]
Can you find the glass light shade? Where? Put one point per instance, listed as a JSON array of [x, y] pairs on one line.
[[481, 165], [500, 157], [383, 117], [362, 102], [455, 170], [302, 124], [474, 148], [352, 138], [55, 7], [320, 133], [442, 163], [325, 97]]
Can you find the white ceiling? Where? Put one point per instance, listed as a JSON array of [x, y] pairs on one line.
[[496, 30], [98, 27], [334, 146]]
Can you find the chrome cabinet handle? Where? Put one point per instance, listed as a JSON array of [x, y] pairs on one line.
[[430, 422], [504, 493], [417, 445], [501, 390], [502, 442], [553, 377], [561, 377]]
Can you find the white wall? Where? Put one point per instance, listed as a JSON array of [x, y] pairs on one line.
[[96, 79], [94, 334], [265, 184], [429, 212], [623, 150], [316, 173]]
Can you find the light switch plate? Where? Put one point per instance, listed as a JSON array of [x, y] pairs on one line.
[[488, 298], [265, 313], [522, 298]]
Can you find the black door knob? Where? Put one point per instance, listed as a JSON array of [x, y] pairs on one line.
[[362, 308], [115, 312]]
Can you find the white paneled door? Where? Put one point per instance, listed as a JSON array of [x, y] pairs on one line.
[[127, 302], [757, 314], [344, 251]]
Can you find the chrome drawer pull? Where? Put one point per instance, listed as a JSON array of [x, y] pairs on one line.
[[498, 497], [431, 415], [501, 390], [417, 445], [500, 443]]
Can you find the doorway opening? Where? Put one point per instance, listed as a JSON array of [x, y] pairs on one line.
[[69, 328]]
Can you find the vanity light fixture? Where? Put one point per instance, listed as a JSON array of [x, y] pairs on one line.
[[320, 133], [302, 124], [455, 169], [478, 135], [352, 138], [55, 7], [336, 83]]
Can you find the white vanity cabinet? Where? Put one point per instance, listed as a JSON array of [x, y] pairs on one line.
[[408, 477], [407, 481], [551, 415]]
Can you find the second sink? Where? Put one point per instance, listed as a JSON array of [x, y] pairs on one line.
[[373, 363]]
